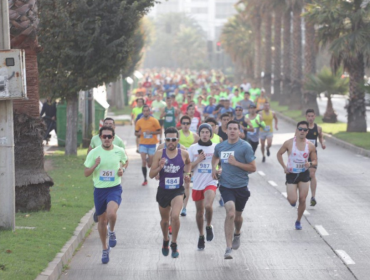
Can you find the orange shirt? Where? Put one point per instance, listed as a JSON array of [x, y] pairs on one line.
[[151, 124]]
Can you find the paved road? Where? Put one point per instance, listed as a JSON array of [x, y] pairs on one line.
[[339, 101], [271, 247]]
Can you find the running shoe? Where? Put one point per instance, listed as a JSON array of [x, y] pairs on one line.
[[105, 256], [112, 239], [175, 252], [95, 217], [221, 201], [268, 152], [138, 151], [209, 233], [263, 159], [298, 225], [170, 229], [313, 201], [201, 243], [236, 242], [145, 183], [228, 255], [165, 248], [183, 212]]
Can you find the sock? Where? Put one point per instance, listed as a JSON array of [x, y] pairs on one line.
[[173, 245], [165, 243], [236, 234], [144, 172], [201, 236]]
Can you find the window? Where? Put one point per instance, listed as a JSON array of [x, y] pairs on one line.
[[224, 10]]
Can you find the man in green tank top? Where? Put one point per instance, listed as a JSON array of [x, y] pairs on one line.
[[169, 114]]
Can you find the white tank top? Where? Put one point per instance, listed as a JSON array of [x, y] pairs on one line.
[[297, 159]]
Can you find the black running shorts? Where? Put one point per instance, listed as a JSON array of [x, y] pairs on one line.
[[295, 178], [240, 196], [164, 197]]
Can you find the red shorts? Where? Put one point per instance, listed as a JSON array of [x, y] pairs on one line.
[[199, 194]]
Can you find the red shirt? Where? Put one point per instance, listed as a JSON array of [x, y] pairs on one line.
[[175, 104], [149, 102], [183, 108], [147, 84]]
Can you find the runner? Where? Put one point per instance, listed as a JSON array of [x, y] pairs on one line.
[[237, 160], [173, 166], [195, 121], [138, 109], [261, 100], [245, 124], [204, 187], [236, 98], [297, 174], [257, 123], [267, 132], [214, 124], [314, 131], [157, 106], [208, 110], [187, 138], [147, 128], [246, 102], [105, 163], [222, 130], [170, 114]]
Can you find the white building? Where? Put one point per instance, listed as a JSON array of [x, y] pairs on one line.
[[211, 15]]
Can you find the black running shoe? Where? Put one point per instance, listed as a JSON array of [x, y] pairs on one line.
[[201, 243], [165, 248], [263, 159], [313, 201], [175, 252], [268, 152], [209, 233]]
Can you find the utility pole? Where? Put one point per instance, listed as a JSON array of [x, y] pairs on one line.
[[7, 177]]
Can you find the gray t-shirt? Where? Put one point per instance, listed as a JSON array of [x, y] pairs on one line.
[[234, 177], [245, 105]]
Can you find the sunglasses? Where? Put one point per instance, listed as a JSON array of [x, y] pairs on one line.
[[171, 139], [238, 110], [107, 136], [303, 129], [185, 123]]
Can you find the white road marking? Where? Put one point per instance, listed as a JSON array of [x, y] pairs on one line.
[[272, 183], [285, 194], [25, 227], [358, 155], [261, 173], [306, 213], [345, 257], [320, 229]]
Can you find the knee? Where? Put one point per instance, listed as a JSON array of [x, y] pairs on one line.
[[292, 202], [165, 223], [111, 214], [175, 218], [230, 215], [200, 213], [302, 200], [208, 207]]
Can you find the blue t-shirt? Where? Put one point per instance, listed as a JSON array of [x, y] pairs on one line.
[[224, 110], [234, 177], [209, 109]]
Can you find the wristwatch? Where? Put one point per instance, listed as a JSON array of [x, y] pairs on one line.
[[310, 164], [189, 174]]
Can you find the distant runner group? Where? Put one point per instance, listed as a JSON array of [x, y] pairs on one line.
[[208, 132]]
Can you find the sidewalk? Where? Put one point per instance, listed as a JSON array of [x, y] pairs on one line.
[[271, 247]]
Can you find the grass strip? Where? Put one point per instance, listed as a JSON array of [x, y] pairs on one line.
[[359, 139], [24, 253]]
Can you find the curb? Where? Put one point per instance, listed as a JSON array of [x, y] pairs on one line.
[[55, 267], [331, 139]]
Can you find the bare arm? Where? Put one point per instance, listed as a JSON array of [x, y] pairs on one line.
[[313, 154], [276, 120], [196, 138], [280, 153], [250, 167], [321, 137], [89, 149], [156, 165], [250, 126], [89, 170], [215, 161], [155, 132]]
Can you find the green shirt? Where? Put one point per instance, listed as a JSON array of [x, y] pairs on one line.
[[96, 141], [136, 111], [179, 98], [157, 106], [235, 100], [105, 174], [255, 92]]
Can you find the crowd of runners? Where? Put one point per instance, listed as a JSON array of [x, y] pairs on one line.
[[208, 130]]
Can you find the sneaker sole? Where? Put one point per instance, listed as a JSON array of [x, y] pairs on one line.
[[165, 253], [228, 257]]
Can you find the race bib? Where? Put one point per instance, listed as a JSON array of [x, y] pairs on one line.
[[253, 133], [107, 175], [204, 168], [225, 156], [148, 135], [313, 141], [172, 183], [169, 118], [267, 128], [298, 167]]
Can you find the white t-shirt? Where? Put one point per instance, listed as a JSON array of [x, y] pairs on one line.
[[245, 87], [202, 176], [194, 125]]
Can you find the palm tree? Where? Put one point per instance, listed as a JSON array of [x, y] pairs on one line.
[[344, 26], [268, 52], [32, 182], [330, 83], [286, 56], [278, 14], [296, 85], [236, 39], [309, 97]]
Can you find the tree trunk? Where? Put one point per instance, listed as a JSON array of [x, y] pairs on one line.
[[277, 55], [268, 60], [356, 107], [330, 116], [32, 183], [257, 50], [72, 120], [309, 97], [296, 93], [286, 58]]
